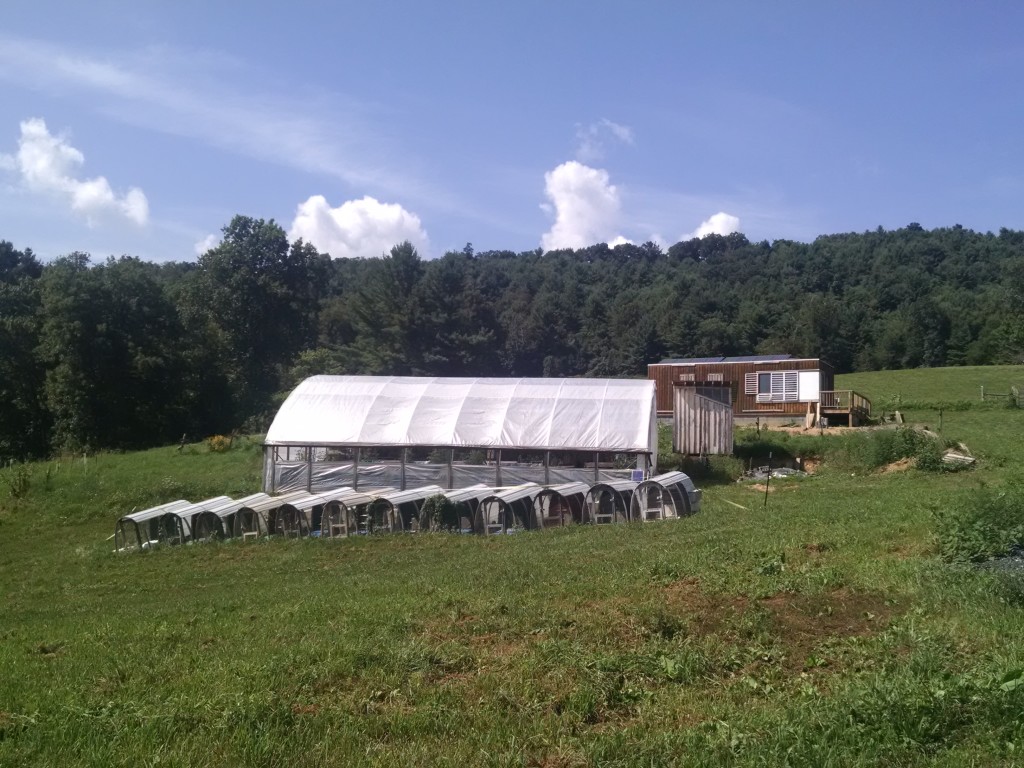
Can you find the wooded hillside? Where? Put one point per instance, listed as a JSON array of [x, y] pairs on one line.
[[126, 353]]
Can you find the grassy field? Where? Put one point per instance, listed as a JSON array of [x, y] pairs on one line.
[[817, 629]]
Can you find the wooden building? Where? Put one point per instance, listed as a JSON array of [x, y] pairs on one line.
[[702, 419], [763, 387]]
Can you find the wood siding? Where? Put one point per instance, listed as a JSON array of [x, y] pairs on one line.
[[701, 426], [667, 375]]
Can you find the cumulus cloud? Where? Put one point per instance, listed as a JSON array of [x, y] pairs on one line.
[[208, 242], [49, 165], [721, 223], [592, 139], [356, 228], [585, 205]]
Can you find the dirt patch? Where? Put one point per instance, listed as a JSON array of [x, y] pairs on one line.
[[778, 485], [898, 466], [804, 622], [799, 623], [800, 429], [703, 613]]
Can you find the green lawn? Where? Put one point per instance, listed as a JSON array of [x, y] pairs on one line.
[[933, 385], [820, 629]]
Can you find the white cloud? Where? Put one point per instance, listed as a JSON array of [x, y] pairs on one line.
[[208, 242], [585, 204], [356, 228], [620, 240], [591, 139], [721, 223], [49, 165]]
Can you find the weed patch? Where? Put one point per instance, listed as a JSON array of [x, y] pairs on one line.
[[981, 524]]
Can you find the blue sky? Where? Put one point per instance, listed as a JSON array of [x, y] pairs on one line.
[[142, 128]]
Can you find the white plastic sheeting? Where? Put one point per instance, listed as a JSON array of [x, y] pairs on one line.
[[608, 415]]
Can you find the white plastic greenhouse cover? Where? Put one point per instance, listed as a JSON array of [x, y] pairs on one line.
[[608, 415]]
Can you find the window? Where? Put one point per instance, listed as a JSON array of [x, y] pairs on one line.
[[773, 386]]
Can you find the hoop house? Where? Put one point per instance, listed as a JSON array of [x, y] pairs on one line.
[[663, 497], [253, 519], [345, 514], [393, 431], [560, 505], [218, 521], [177, 524], [399, 510], [508, 511], [609, 502], [301, 517], [466, 501], [142, 530]]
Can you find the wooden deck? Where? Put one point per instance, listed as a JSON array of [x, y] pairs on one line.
[[845, 403]]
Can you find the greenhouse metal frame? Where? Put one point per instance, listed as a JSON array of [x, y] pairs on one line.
[[607, 503], [560, 505], [508, 510], [665, 496], [218, 521], [253, 520]]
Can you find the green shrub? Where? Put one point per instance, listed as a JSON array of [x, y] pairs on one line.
[[875, 449], [218, 444], [438, 513], [981, 524], [18, 480]]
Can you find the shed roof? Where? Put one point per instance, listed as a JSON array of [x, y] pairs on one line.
[[613, 415], [722, 359]]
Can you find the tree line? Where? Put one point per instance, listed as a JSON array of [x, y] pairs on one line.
[[126, 353]]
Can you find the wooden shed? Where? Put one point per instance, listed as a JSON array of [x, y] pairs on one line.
[[765, 387], [702, 419]]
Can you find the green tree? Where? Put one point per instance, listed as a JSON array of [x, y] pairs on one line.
[[254, 298], [24, 418]]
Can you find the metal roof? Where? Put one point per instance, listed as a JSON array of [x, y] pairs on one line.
[[723, 359], [473, 493], [691, 360], [231, 506], [160, 509], [758, 359], [527, 491], [566, 489], [272, 502], [412, 494], [616, 485]]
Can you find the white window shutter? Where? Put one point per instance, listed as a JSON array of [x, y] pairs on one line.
[[750, 383], [791, 385]]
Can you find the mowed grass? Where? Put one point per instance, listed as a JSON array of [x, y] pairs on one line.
[[934, 385], [816, 629], [948, 400]]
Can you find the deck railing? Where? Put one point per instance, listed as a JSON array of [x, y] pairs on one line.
[[845, 400]]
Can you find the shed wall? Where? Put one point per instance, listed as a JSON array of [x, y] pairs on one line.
[[667, 375], [701, 425]]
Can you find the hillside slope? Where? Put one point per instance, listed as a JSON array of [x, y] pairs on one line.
[[812, 625]]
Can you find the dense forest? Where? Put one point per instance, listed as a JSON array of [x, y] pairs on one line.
[[127, 353]]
